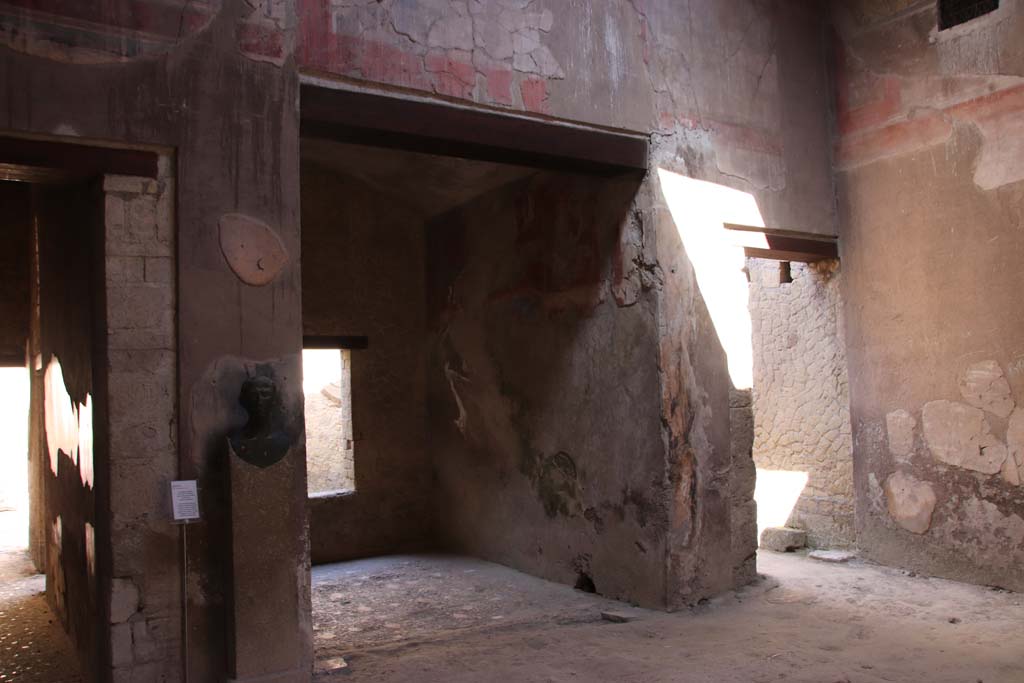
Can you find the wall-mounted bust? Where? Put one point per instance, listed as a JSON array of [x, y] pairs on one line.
[[263, 440]]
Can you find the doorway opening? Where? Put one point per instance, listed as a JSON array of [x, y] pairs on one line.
[[62, 207], [475, 255]]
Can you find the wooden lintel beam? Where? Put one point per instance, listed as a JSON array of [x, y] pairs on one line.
[[782, 245], [32, 158], [437, 128]]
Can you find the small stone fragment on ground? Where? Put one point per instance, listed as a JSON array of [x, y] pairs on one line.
[[783, 539], [617, 617], [831, 555], [331, 664]]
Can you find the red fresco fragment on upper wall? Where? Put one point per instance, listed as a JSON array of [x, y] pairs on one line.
[[321, 48], [499, 85], [884, 106], [900, 137], [449, 76], [925, 131], [535, 94]]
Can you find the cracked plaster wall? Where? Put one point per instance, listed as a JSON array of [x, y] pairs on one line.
[[543, 386], [801, 399], [746, 79], [931, 185]]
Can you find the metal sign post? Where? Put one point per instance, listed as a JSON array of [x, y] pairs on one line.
[[185, 510]]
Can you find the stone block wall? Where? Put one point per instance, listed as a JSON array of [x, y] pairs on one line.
[[145, 569], [800, 396]]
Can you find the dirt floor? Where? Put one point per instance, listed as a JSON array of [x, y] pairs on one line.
[[33, 645], [450, 619]]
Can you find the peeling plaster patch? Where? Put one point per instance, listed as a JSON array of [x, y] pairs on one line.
[[992, 532], [1001, 160], [251, 247], [984, 386], [875, 493], [910, 502], [453, 377], [558, 486], [900, 427], [1013, 469], [90, 549], [959, 435]]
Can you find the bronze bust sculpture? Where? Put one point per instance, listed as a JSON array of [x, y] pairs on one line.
[[263, 440]]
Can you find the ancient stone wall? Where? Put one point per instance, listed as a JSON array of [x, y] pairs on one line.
[[213, 81], [145, 597], [363, 275], [801, 400], [931, 185]]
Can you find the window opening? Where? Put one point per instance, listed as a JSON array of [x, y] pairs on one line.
[[785, 272], [955, 12], [327, 390]]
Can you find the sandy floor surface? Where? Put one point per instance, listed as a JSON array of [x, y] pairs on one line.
[[452, 619], [33, 645]]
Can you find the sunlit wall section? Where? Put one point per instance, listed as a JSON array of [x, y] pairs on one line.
[[700, 211]]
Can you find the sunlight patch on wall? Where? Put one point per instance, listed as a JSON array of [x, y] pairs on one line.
[[776, 494], [61, 421], [85, 438], [700, 210], [69, 427]]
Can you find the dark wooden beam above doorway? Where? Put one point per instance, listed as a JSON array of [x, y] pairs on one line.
[[44, 161], [419, 125]]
